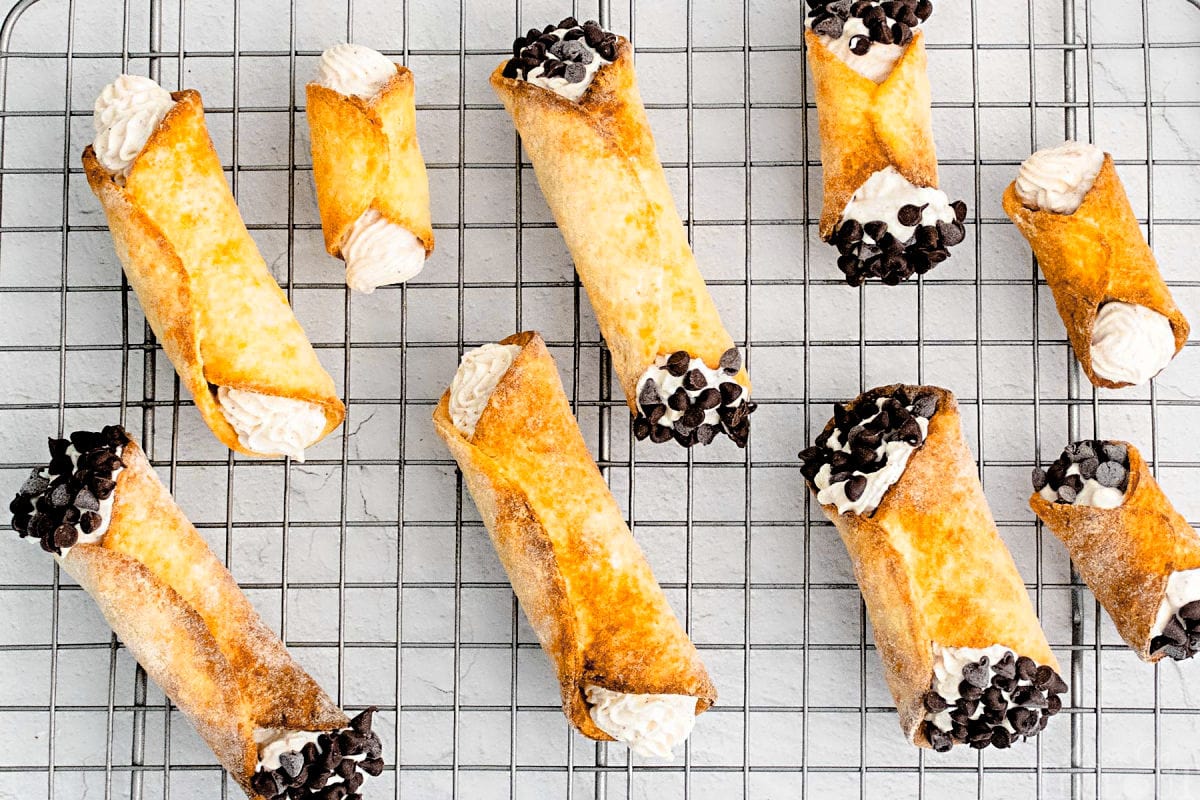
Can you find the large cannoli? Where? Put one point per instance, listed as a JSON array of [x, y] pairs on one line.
[[112, 525], [1136, 552], [572, 92], [883, 209], [205, 289], [962, 650], [367, 165], [625, 665], [1120, 317]]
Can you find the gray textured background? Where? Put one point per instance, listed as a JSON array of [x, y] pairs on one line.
[[419, 615]]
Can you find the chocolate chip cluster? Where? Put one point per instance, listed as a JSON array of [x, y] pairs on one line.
[[886, 23], [691, 401], [61, 501], [996, 704], [1105, 462], [1180, 638], [332, 768], [862, 430], [563, 50], [869, 250]]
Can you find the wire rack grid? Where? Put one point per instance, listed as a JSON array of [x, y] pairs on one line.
[[369, 558]]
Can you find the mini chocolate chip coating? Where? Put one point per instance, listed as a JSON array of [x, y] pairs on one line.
[[332, 768], [1107, 463], [59, 502], [1016, 693], [561, 55], [702, 403], [886, 22], [866, 427]]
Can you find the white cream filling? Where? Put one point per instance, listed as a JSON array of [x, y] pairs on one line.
[[651, 724], [477, 377], [127, 111], [668, 384], [275, 742], [272, 425], [1058, 178], [876, 64], [881, 197], [1182, 588], [878, 482], [1131, 343], [561, 86], [354, 70], [948, 663], [378, 252]]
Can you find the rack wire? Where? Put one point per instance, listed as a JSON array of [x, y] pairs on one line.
[[370, 559]]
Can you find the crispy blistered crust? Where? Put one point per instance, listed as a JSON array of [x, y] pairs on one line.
[[1126, 554], [183, 616], [598, 169], [867, 126], [365, 155], [1092, 256], [205, 289], [580, 576], [933, 568]]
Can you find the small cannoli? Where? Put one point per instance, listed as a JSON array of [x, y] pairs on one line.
[[1133, 549], [963, 653], [572, 93], [1120, 317], [883, 209], [99, 508], [371, 183], [626, 667], [205, 289]]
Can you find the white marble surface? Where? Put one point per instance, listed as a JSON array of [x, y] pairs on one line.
[[781, 584]]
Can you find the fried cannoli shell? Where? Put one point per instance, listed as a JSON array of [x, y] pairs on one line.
[[1126, 555], [365, 155], [205, 289], [867, 126], [182, 615], [933, 568], [1094, 256], [582, 580], [597, 166]]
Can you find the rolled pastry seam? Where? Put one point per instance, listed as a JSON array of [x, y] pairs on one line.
[[372, 187], [207, 293], [1119, 314], [1133, 549], [883, 209], [626, 668], [113, 526], [963, 653], [594, 157]]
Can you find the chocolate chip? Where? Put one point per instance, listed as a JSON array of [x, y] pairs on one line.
[[655, 413], [1053, 705], [1115, 451], [86, 501], [860, 45], [60, 496], [1190, 612], [1001, 738], [694, 380], [103, 488], [976, 673], [909, 214], [705, 433], [266, 784], [1029, 697], [874, 14], [875, 229], [1110, 474], [607, 51], [925, 405], [1026, 668], [574, 72], [923, 9], [731, 361], [690, 420], [65, 536], [641, 428], [934, 702], [1067, 493], [709, 398], [1174, 631], [828, 25], [1087, 468], [1023, 720], [993, 699], [855, 487], [649, 395], [34, 484], [969, 691], [850, 232], [939, 740], [1161, 645], [952, 233], [677, 363], [660, 434], [901, 34], [679, 400], [1039, 479], [568, 22], [1057, 685], [90, 521]]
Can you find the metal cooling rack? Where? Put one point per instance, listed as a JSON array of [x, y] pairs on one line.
[[417, 617]]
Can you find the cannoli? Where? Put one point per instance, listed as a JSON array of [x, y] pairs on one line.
[[625, 665], [962, 649], [572, 92], [883, 209], [371, 182], [1136, 552], [111, 524], [205, 289], [1120, 317]]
